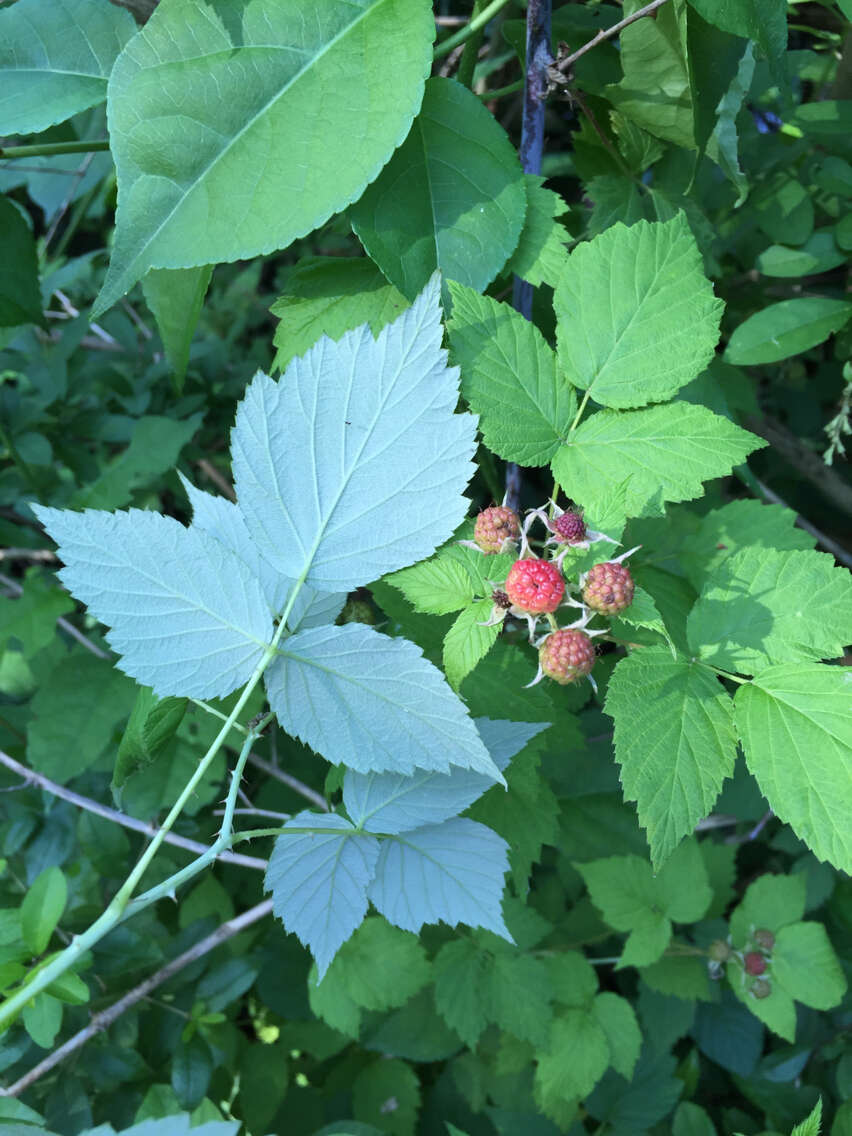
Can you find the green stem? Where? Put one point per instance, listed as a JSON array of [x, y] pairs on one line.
[[724, 674], [499, 92], [48, 149], [470, 29], [467, 64], [579, 413]]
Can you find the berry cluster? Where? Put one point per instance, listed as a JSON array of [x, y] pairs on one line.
[[754, 961], [535, 586]]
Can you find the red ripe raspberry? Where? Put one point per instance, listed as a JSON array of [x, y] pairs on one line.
[[755, 963], [764, 939], [570, 527], [496, 529], [566, 655], [609, 588], [535, 586]]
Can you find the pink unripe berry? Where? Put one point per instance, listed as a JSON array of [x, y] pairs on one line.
[[566, 655], [496, 529], [570, 527], [608, 588], [535, 586], [754, 963]]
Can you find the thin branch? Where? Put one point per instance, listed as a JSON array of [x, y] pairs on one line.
[[836, 550], [210, 470], [256, 812], [69, 628], [105, 1018], [805, 461], [32, 778], [291, 782], [564, 64], [47, 149], [37, 554]]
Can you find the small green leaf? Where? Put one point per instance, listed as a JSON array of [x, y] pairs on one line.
[[793, 722], [509, 378], [42, 1020], [330, 296], [636, 316], [616, 1018], [541, 253], [818, 254], [762, 606], [42, 908], [31, 617], [771, 902], [574, 1062], [176, 296], [810, 1126], [785, 329], [468, 641], [152, 725], [435, 587], [675, 742], [663, 453], [387, 1094], [20, 296]]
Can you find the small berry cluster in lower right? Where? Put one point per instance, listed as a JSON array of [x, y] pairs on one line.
[[535, 586], [754, 961]]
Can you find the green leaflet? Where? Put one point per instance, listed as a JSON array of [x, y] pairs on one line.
[[794, 725], [509, 378], [20, 299], [186, 125], [674, 740], [176, 297], [766, 606], [785, 329], [541, 253], [664, 453], [637, 318]]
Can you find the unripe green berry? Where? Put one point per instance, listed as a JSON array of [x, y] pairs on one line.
[[719, 951], [760, 988], [764, 939]]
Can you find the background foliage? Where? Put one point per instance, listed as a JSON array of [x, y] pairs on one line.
[[269, 179]]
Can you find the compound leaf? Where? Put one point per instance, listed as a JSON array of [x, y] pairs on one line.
[[793, 722], [665, 451], [509, 378], [636, 316], [451, 198], [452, 872], [319, 881], [353, 465], [375, 703], [674, 739], [766, 606], [55, 59], [213, 167], [185, 613]]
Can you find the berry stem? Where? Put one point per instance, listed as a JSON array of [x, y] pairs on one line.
[[724, 674]]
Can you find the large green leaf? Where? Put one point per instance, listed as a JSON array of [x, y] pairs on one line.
[[230, 133], [786, 328], [794, 725], [509, 378], [20, 299], [452, 197], [674, 739], [55, 59], [637, 318], [665, 452], [765, 606]]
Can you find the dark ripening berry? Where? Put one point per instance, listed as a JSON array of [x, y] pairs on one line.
[[754, 963], [496, 529], [566, 655], [570, 527], [764, 939], [608, 588], [535, 586], [760, 988], [501, 599], [719, 951]]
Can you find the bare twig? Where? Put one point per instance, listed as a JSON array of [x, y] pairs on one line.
[[256, 812], [76, 178], [32, 778], [805, 461], [209, 470], [836, 550], [105, 336], [16, 590], [564, 63], [291, 782], [105, 1018], [27, 554]]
